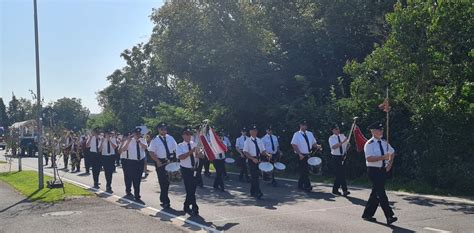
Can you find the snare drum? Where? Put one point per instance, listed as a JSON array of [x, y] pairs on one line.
[[229, 160], [315, 165], [279, 167], [267, 169], [174, 174]]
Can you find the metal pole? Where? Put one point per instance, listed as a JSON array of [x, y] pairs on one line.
[[38, 103]]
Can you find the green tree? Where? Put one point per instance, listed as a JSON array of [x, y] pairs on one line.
[[69, 113], [3, 114], [427, 63]]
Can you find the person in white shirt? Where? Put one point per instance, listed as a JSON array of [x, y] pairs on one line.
[[202, 158], [108, 146], [338, 143], [253, 150], [93, 143], [379, 157], [271, 145], [239, 146], [133, 155], [186, 152], [162, 150], [302, 142]]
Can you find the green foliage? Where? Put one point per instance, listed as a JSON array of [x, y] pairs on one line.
[[426, 62]]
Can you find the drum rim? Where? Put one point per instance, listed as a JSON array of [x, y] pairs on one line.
[[317, 159], [278, 163], [265, 164]]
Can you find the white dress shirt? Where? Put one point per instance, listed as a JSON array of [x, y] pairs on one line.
[[267, 142], [333, 140], [372, 148], [300, 142], [183, 148], [239, 142], [132, 149], [157, 146], [249, 146], [226, 142], [112, 142], [94, 144]]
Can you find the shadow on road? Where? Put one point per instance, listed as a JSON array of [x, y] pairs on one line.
[[449, 205]]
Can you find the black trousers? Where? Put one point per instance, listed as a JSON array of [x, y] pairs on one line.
[[190, 185], [96, 164], [254, 178], [378, 196], [339, 171], [108, 162], [133, 170], [164, 181], [219, 165], [87, 160], [243, 169], [127, 178], [303, 181], [206, 165], [199, 181], [65, 159]]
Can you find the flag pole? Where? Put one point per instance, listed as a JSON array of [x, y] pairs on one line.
[[387, 117]]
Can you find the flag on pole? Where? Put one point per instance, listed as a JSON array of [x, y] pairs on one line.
[[212, 144], [385, 106], [360, 139]]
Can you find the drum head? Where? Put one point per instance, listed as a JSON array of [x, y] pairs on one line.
[[279, 166], [229, 160], [172, 167], [265, 167], [314, 161]]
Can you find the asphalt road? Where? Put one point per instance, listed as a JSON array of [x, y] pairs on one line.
[[284, 209]]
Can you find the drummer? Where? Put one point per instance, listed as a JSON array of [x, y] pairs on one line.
[[271, 144], [189, 163], [253, 150], [302, 142], [162, 150]]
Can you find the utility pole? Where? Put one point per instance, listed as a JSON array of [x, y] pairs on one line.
[[39, 125]]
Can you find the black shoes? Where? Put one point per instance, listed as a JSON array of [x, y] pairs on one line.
[[138, 200], [165, 206], [335, 192], [96, 186], [370, 219], [109, 190], [391, 220], [346, 193]]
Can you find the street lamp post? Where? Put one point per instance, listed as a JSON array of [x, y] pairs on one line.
[[38, 103]]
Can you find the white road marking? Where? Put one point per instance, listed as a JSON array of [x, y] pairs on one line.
[[436, 230], [172, 216]]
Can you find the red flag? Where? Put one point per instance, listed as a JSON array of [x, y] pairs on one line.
[[385, 106], [207, 148], [216, 143], [359, 139]]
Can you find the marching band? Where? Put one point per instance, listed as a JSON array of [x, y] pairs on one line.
[[259, 157]]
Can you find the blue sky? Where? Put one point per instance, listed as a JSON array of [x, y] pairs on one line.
[[80, 45]]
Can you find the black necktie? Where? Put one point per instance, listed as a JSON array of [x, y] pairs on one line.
[[257, 150], [340, 147], [192, 155], [163, 140], [97, 144], [273, 145], [383, 153], [307, 141], [138, 150], [108, 147]]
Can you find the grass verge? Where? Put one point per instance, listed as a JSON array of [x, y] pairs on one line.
[[26, 182]]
